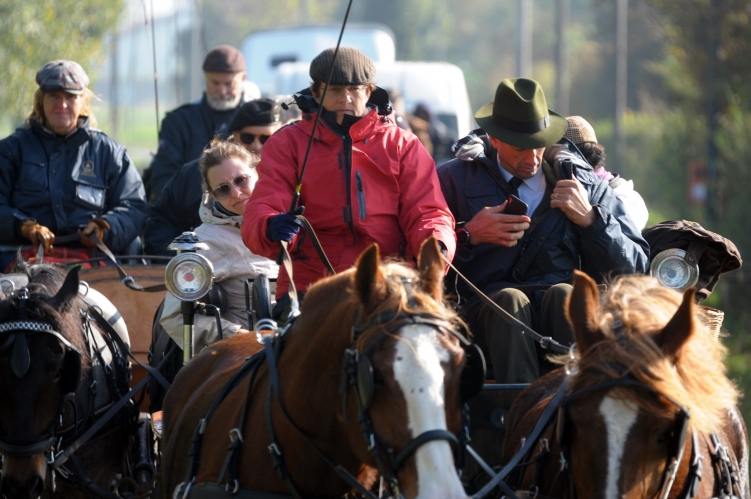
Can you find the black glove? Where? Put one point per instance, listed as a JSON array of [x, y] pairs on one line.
[[284, 226]]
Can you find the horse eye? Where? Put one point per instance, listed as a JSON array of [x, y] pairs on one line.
[[58, 375], [663, 436]]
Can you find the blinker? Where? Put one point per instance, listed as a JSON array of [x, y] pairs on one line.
[[473, 374], [365, 381]]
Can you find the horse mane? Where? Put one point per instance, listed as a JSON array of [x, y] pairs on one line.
[[45, 281], [696, 379]]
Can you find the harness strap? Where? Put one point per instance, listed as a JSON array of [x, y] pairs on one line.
[[531, 440], [544, 341], [693, 479], [210, 490], [128, 280], [423, 438], [316, 244]]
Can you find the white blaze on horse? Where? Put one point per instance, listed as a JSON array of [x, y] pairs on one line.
[[648, 411], [371, 375]]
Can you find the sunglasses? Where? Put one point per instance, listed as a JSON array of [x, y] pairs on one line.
[[224, 190], [249, 138]]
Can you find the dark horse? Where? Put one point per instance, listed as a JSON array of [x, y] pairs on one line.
[[647, 410], [52, 390], [407, 389]]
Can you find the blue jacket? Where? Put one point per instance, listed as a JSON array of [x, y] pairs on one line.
[[553, 246], [64, 182]]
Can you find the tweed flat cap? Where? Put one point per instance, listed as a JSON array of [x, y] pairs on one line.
[[352, 67], [224, 59], [259, 112], [62, 75], [579, 130]]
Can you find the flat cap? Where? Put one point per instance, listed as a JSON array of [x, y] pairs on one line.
[[224, 59], [352, 67], [62, 76], [259, 112], [579, 130]]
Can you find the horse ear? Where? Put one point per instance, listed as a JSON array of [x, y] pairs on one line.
[[431, 268], [68, 291], [370, 284], [680, 328], [582, 311]]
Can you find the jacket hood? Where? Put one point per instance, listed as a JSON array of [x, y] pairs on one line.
[[379, 99], [210, 216]]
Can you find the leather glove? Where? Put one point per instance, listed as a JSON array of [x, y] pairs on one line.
[[284, 226], [38, 234], [96, 227]]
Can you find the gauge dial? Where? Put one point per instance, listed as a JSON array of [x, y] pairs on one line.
[[673, 273], [189, 277]]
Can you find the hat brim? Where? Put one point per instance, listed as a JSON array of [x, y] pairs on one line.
[[544, 138], [48, 90]]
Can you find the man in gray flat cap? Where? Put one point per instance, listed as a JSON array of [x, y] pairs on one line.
[[366, 180], [189, 128]]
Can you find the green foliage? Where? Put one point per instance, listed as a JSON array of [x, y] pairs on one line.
[[33, 33]]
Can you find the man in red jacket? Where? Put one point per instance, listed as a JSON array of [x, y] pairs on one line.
[[366, 180]]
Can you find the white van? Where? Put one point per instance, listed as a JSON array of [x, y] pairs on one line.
[[265, 50], [440, 84]]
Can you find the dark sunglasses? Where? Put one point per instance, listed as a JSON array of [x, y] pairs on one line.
[[224, 190], [249, 138]]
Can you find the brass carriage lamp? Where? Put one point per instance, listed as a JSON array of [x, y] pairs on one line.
[[188, 276]]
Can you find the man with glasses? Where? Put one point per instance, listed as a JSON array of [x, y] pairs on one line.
[[366, 181], [176, 210]]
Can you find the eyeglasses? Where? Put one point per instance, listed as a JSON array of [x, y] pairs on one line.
[[338, 90], [249, 138], [224, 190]]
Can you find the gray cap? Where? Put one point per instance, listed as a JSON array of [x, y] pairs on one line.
[[62, 76], [352, 67], [224, 59]]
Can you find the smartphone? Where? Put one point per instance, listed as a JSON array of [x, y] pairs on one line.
[[567, 169], [515, 206]]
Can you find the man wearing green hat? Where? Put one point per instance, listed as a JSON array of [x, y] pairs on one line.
[[526, 262]]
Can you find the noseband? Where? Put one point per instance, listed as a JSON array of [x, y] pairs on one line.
[[17, 332]]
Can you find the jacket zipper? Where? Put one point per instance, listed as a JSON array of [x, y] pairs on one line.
[[347, 146], [360, 195]]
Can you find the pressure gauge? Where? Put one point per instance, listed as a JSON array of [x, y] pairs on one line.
[[189, 276], [672, 270]]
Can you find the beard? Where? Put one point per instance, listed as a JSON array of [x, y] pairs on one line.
[[219, 103]]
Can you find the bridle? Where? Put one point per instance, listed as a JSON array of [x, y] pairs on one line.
[[20, 362], [357, 373]]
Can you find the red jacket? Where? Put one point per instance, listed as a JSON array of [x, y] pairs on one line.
[[378, 184]]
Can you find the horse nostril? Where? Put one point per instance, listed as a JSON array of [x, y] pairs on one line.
[[37, 488], [10, 487]]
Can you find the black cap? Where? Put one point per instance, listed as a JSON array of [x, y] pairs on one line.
[[259, 112], [224, 59]]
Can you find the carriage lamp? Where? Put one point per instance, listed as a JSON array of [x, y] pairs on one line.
[[188, 276], [672, 270]]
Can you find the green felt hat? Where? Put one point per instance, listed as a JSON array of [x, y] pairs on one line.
[[519, 115]]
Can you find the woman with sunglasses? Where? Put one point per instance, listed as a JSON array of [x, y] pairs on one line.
[[229, 175]]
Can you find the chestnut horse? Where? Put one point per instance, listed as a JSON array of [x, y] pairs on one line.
[[52, 391], [648, 411], [404, 402]]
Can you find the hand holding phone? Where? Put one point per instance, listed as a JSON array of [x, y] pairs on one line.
[[515, 206]]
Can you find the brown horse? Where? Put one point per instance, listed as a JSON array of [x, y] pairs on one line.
[[415, 381], [51, 391], [647, 397]]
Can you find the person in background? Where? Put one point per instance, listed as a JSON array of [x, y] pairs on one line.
[[63, 181], [581, 133], [229, 175], [367, 180], [177, 209], [186, 130]]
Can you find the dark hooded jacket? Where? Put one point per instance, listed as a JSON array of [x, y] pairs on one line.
[[65, 182], [553, 246]]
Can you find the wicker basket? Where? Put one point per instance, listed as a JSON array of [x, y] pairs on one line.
[[713, 320]]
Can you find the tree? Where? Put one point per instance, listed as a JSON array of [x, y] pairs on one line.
[[33, 33]]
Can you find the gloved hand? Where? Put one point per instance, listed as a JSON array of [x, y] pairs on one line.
[[38, 234], [96, 227], [284, 226]]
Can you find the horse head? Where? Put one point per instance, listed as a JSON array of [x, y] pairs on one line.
[[40, 364], [649, 374], [408, 378]]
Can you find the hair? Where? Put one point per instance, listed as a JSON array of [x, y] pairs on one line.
[[317, 86], [37, 108], [593, 152], [219, 150], [696, 380]]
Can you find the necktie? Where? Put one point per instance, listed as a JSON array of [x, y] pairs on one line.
[[514, 183]]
